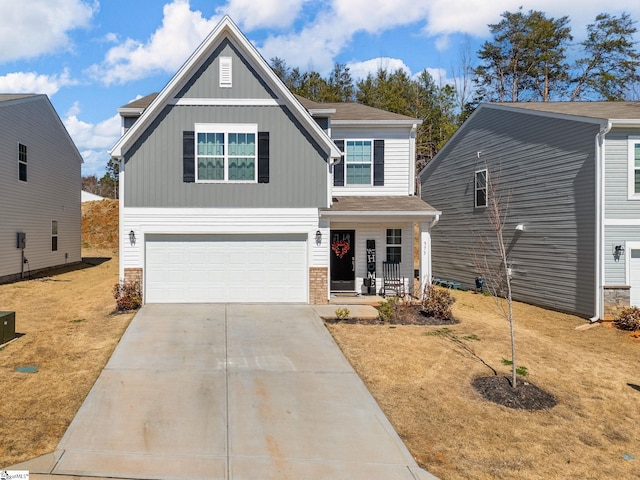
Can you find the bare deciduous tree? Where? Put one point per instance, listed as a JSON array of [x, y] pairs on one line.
[[492, 258]]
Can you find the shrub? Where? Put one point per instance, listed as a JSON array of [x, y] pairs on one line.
[[628, 319], [128, 295], [437, 302], [387, 309], [342, 313]]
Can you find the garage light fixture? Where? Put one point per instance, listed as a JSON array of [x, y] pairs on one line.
[[318, 237], [132, 238]]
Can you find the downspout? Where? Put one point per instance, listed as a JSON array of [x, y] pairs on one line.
[[599, 276], [412, 167], [120, 161]]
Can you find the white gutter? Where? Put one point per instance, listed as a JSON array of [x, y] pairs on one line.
[[600, 157], [435, 221]]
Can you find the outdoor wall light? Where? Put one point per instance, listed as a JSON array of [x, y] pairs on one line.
[[520, 227], [618, 250], [318, 237], [132, 237]]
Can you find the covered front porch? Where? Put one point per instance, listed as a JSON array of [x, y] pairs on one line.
[[366, 231]]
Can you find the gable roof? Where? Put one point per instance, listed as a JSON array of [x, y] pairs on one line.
[[8, 99], [225, 29], [616, 112]]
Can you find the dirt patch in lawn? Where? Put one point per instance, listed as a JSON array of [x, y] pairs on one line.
[[422, 377]]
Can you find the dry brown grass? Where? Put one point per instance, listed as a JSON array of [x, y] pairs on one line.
[[69, 333], [422, 380]]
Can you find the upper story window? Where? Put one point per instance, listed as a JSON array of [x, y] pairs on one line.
[[481, 188], [359, 162], [22, 162], [225, 72], [634, 167], [226, 153], [394, 245]]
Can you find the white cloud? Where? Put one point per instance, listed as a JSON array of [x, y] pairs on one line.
[[182, 30], [93, 140], [39, 27], [31, 82], [360, 70], [249, 14]]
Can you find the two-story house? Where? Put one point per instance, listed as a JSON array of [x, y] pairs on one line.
[[569, 176], [232, 189], [40, 180]]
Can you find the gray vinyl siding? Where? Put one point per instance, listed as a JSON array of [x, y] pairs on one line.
[[615, 270], [546, 169], [51, 192], [617, 203], [298, 168], [246, 83]]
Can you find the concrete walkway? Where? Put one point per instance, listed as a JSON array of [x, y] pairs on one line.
[[228, 392]]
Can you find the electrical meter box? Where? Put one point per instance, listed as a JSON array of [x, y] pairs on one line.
[[21, 240], [7, 326]]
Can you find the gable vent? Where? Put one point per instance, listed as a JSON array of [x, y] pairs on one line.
[[225, 72]]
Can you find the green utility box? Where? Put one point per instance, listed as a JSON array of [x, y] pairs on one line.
[[7, 326]]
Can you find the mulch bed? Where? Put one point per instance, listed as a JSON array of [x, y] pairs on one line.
[[405, 314], [526, 396]]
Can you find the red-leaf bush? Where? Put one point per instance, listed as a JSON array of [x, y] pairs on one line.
[[437, 302], [628, 319], [128, 295]]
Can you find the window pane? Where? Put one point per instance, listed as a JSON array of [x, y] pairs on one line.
[[636, 152], [394, 236], [242, 168], [22, 172], [54, 227], [359, 174], [394, 254], [54, 244], [637, 181], [211, 169]]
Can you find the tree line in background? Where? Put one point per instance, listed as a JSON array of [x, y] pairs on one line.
[[530, 57]]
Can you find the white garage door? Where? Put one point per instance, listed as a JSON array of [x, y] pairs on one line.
[[225, 268]]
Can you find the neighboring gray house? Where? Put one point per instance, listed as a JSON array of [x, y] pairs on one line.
[[232, 189], [40, 180], [572, 172]]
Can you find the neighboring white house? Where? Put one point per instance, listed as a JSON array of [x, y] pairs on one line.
[[90, 197], [40, 181], [569, 173], [234, 190]]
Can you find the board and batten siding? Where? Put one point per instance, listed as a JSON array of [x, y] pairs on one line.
[[51, 192], [246, 83], [397, 164], [297, 165], [545, 169]]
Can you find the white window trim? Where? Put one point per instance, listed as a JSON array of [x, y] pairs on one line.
[[226, 72], [476, 189], [226, 128], [399, 245], [632, 141], [346, 176]]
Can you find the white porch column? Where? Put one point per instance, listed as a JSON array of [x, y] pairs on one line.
[[425, 256]]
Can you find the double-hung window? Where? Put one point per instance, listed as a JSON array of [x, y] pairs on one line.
[[359, 162], [226, 153], [22, 162], [394, 245], [54, 235], [480, 188], [634, 167]]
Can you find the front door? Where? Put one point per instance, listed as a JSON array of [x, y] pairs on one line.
[[343, 268]]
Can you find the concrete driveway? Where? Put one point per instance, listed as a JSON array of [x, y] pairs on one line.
[[228, 392]]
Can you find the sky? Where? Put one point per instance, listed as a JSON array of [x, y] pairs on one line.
[[92, 57]]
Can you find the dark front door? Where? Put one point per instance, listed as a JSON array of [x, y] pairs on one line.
[[343, 269]]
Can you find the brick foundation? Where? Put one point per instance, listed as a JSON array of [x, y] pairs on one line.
[[615, 299], [132, 275], [318, 285]]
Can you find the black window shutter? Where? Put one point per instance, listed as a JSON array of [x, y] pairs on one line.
[[188, 157], [338, 168], [263, 157], [378, 162]]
